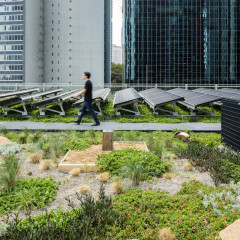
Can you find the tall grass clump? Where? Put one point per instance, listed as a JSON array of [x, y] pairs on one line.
[[9, 171]]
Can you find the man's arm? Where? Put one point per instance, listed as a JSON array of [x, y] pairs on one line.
[[82, 92]]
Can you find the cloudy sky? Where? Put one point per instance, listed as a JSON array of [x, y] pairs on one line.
[[117, 22]]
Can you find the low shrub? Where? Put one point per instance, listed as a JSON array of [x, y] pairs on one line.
[[104, 177], [35, 158], [166, 234], [36, 136], [183, 213], [75, 144], [13, 136], [75, 172], [115, 161], [9, 148], [46, 150], [168, 175], [93, 219], [22, 139], [134, 171], [223, 164], [84, 189], [118, 186], [33, 192], [45, 165]]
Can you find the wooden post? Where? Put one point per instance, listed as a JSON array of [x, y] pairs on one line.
[[107, 140]]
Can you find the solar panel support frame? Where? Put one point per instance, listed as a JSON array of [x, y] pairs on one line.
[[23, 103], [174, 113], [98, 105], [120, 107], [59, 101], [194, 109], [60, 104], [24, 112]]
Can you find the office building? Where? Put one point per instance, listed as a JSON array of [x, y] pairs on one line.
[[55, 41], [75, 40], [181, 41]]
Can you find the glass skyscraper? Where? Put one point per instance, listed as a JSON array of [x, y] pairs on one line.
[[182, 41], [11, 40]]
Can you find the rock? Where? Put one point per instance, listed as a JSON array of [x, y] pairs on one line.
[[4, 140], [183, 136], [232, 232]]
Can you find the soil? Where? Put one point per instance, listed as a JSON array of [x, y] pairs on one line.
[[70, 185], [90, 155]]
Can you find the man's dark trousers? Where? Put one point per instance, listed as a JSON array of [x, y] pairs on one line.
[[89, 106]]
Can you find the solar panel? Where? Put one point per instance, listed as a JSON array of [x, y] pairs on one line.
[[46, 102], [156, 97], [231, 90], [40, 94], [194, 99], [125, 96], [19, 92], [62, 97], [221, 94], [10, 101], [98, 94]]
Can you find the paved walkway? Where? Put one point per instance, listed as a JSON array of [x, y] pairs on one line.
[[196, 127]]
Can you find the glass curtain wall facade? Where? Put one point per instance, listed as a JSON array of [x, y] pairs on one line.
[[11, 40], [182, 41]]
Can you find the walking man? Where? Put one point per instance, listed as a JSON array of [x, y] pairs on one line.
[[87, 91]]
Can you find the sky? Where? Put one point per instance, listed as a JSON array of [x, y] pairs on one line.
[[117, 22]]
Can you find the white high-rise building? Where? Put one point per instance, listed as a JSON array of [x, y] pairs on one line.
[[116, 54], [55, 41]]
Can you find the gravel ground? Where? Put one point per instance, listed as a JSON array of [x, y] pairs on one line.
[[70, 185]]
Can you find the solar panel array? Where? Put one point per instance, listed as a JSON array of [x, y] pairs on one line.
[[19, 92], [231, 90], [156, 97], [61, 97], [98, 94], [40, 94], [194, 99], [221, 94], [125, 96]]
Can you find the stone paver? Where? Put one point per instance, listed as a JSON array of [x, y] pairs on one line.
[[196, 127], [232, 232]]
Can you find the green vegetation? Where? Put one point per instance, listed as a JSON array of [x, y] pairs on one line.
[[109, 114], [33, 192], [137, 214], [115, 161], [224, 165], [9, 171], [184, 213], [93, 220], [197, 211], [116, 73], [75, 144], [9, 149]]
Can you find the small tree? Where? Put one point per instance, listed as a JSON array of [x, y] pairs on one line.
[[117, 73]]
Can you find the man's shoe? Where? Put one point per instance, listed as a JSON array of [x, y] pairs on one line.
[[77, 122], [96, 124]]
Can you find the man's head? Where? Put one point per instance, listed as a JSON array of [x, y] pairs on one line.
[[86, 75]]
